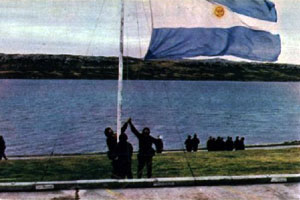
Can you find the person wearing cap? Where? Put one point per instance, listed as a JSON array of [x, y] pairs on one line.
[[241, 144], [124, 153], [146, 152], [236, 143], [111, 141], [188, 144], [229, 144], [195, 143]]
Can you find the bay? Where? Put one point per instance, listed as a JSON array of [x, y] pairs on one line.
[[69, 116]]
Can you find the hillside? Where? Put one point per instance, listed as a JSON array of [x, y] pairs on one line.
[[40, 66]]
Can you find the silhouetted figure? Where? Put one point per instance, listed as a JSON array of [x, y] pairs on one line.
[[229, 144], [111, 141], [209, 144], [223, 147], [195, 143], [236, 143], [213, 144], [146, 152], [124, 152], [2, 148], [188, 144], [220, 144], [240, 144], [159, 145]]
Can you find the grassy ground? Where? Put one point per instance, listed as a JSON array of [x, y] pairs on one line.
[[173, 164]]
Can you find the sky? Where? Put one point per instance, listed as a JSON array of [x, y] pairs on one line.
[[91, 27]]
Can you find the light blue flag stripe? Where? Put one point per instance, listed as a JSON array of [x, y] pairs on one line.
[[260, 9], [178, 43]]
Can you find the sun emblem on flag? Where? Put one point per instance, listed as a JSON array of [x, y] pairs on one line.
[[219, 11]]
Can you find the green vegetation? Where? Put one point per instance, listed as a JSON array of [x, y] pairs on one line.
[[171, 164], [295, 142], [91, 67]]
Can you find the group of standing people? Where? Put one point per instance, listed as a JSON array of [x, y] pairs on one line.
[[215, 144], [120, 153], [219, 144], [191, 144]]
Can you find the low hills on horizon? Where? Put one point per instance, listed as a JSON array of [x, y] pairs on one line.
[[43, 66]]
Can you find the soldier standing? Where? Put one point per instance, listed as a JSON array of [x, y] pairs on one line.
[[146, 152]]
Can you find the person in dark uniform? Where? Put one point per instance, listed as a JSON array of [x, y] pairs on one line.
[[195, 143], [229, 144], [236, 143], [146, 152], [242, 144], [188, 144], [209, 144], [222, 144], [111, 141], [2, 148], [213, 144], [219, 144], [124, 152]]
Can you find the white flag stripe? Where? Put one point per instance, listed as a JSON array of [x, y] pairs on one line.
[[195, 13]]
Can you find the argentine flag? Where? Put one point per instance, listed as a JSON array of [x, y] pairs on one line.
[[191, 28]]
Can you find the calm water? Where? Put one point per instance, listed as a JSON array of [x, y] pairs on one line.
[[69, 116]]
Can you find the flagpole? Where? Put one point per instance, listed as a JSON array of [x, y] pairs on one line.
[[120, 77], [151, 14]]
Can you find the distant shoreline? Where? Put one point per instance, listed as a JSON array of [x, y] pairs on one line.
[[41, 66]]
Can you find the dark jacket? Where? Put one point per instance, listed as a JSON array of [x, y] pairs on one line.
[[236, 144], [145, 142], [229, 145], [111, 141], [124, 151], [188, 144], [195, 143], [209, 144], [2, 145]]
